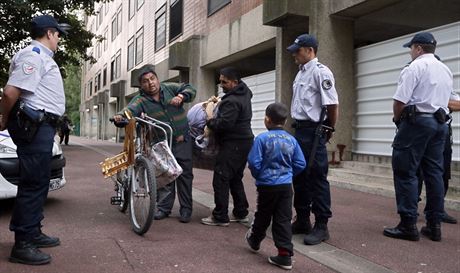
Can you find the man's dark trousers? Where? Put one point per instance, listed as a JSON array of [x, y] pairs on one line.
[[312, 192], [274, 202], [182, 151], [35, 172], [419, 143], [228, 176]]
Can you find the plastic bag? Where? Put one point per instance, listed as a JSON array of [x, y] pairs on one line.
[[166, 167]]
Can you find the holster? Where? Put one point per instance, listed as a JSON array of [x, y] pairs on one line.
[[29, 121], [440, 115], [409, 113]]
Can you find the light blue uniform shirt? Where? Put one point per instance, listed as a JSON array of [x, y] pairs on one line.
[[426, 83], [313, 87], [34, 71]]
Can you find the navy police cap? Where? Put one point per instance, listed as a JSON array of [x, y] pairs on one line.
[[424, 38], [304, 40], [48, 21]]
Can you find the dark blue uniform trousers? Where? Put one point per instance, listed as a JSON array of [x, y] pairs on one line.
[[419, 143], [312, 192], [35, 171], [182, 151]]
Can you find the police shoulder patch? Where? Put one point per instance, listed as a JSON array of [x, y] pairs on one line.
[[36, 49], [28, 68], [326, 84]]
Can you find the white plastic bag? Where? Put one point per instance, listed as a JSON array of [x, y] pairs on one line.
[[166, 167]]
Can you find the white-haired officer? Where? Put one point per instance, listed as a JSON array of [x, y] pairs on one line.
[[314, 98], [419, 110], [35, 90]]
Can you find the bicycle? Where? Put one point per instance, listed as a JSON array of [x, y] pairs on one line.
[[132, 170]]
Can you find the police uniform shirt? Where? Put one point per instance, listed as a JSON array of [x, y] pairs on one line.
[[34, 71], [426, 83], [313, 87], [454, 96]]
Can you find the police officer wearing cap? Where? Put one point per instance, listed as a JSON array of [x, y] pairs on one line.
[[419, 110], [313, 91], [34, 87]]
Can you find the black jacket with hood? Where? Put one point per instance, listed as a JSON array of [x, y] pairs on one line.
[[234, 114]]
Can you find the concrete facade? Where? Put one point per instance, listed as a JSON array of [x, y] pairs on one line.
[[251, 35]]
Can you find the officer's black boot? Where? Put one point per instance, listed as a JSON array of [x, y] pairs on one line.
[[301, 225], [403, 231], [318, 234], [43, 240], [432, 231], [25, 252]]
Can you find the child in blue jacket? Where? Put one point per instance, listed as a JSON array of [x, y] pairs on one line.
[[273, 160]]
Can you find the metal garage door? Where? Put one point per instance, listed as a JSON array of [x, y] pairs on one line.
[[377, 70], [263, 90]]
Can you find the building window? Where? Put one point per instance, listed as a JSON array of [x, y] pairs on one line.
[[139, 4], [99, 87], [130, 53], [106, 38], [175, 19], [215, 5], [106, 8], [100, 16], [160, 28], [98, 50], [119, 19], [115, 66], [90, 88], [104, 76], [131, 9], [114, 27], [139, 46]]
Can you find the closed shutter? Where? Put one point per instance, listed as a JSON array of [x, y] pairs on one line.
[[377, 70]]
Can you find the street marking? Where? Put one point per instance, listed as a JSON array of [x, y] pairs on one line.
[[325, 254]]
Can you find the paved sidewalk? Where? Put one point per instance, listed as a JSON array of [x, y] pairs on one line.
[[357, 243]]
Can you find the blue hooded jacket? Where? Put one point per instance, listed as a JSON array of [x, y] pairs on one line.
[[275, 158]]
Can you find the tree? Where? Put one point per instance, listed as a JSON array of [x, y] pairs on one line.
[[72, 87], [15, 17]]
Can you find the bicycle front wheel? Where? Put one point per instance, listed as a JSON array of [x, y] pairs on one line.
[[142, 195]]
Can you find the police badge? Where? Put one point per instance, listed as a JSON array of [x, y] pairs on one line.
[[326, 84]]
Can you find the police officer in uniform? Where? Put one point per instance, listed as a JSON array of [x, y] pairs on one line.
[[35, 87], [419, 111], [313, 91]]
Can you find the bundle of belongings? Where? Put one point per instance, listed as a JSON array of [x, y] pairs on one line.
[[204, 144]]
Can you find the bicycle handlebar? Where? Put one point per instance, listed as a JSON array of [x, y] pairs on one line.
[[119, 124]]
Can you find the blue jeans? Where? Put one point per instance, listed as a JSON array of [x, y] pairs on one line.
[[35, 170], [312, 192], [419, 143]]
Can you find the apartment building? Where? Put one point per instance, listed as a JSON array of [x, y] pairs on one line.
[[189, 40]]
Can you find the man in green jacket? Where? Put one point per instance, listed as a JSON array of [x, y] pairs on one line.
[[164, 101]]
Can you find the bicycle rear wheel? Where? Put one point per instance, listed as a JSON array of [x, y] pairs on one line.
[[142, 195]]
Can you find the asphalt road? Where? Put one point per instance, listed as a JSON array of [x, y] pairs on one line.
[[96, 237]]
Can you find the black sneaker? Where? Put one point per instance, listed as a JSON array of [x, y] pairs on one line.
[[252, 244], [285, 262], [27, 253], [318, 234], [160, 215], [43, 240]]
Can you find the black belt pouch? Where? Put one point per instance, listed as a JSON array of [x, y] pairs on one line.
[[29, 121]]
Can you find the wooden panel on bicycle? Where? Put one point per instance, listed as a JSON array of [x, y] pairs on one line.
[[112, 165]]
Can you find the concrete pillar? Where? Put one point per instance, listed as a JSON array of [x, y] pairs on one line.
[[286, 69], [335, 50]]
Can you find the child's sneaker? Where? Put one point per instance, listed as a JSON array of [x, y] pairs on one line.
[[252, 245], [243, 220], [285, 262]]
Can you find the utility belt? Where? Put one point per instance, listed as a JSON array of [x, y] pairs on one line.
[[30, 120], [410, 113], [304, 124]]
